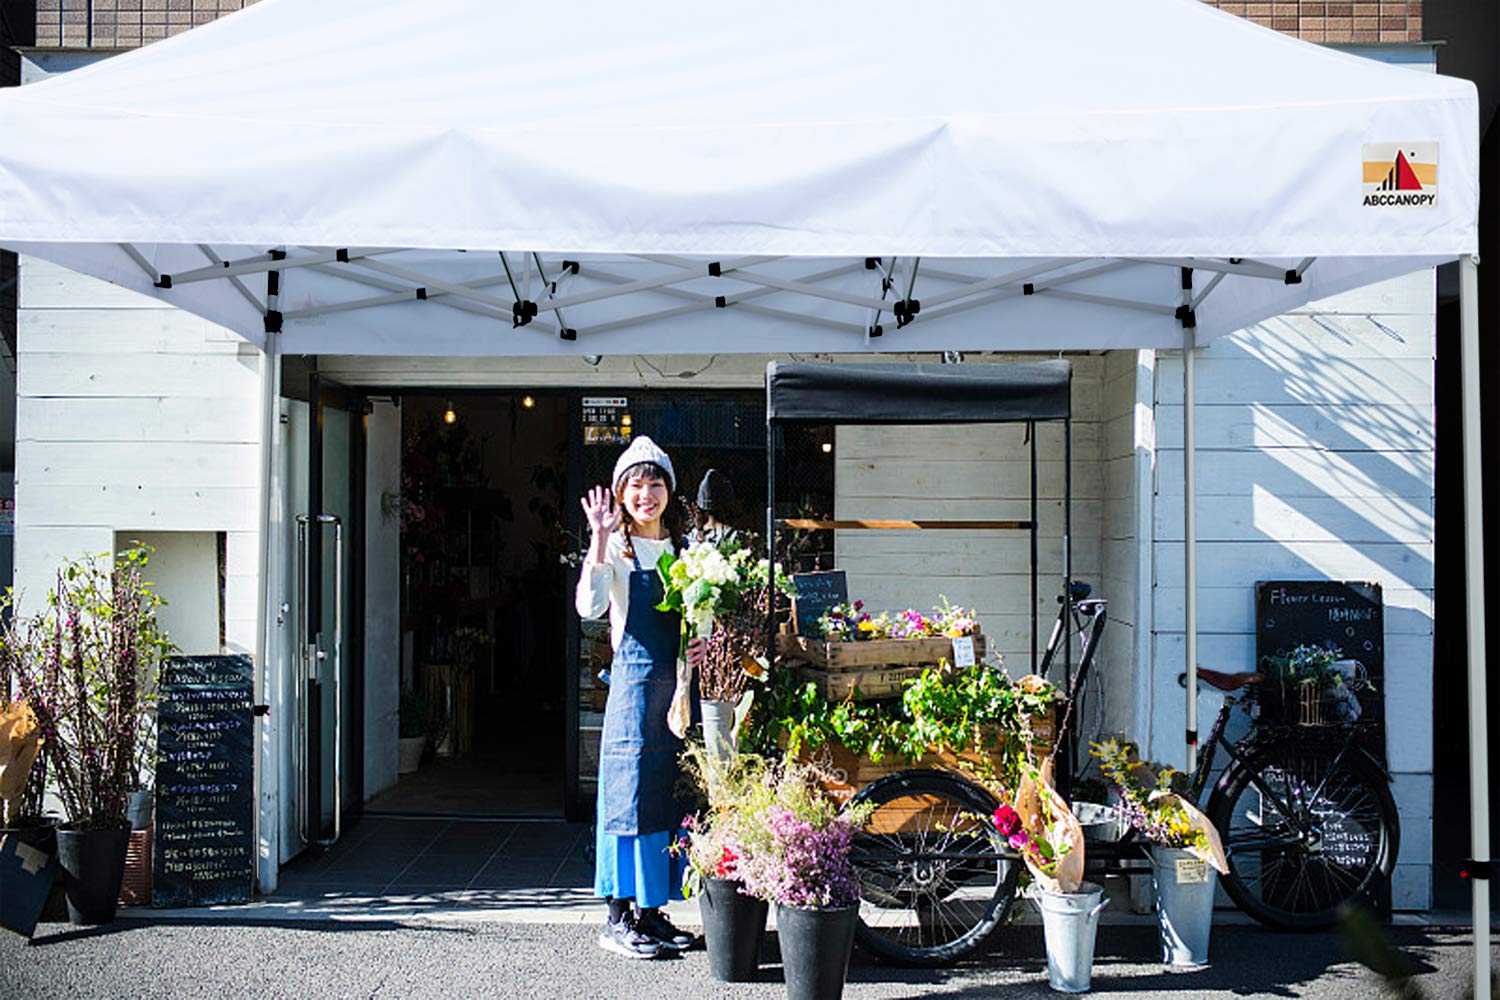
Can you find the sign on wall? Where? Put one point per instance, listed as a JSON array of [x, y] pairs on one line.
[[205, 790], [1346, 618], [606, 420]]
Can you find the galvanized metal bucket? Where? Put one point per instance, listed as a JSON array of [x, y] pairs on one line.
[[1070, 921], [1184, 905]]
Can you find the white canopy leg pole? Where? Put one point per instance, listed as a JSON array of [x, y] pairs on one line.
[[1479, 778], [1190, 542], [268, 774]]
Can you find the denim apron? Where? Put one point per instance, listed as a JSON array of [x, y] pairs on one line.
[[638, 769]]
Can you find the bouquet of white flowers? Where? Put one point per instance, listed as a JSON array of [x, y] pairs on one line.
[[705, 582]]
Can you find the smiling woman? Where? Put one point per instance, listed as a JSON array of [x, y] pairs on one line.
[[638, 810]]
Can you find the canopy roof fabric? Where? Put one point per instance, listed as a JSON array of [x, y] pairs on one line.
[[1028, 175], [799, 391]]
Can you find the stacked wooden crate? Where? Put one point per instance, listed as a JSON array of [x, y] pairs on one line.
[[867, 669]]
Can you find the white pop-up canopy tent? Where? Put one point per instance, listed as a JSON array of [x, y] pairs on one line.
[[472, 177]]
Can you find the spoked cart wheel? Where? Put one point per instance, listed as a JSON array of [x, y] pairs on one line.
[[936, 878], [1304, 837]]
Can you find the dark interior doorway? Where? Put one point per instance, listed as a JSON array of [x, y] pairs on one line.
[[482, 625]]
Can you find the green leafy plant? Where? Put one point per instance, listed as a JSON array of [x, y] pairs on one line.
[[979, 709]]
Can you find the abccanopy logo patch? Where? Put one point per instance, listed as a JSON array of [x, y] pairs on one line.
[[1400, 174]]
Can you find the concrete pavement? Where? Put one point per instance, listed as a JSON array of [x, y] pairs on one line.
[[265, 955]]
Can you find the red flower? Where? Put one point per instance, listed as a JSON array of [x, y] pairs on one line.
[[727, 864], [1007, 821]]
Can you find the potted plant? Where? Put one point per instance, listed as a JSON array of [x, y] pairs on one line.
[[87, 666], [795, 846], [413, 721], [1050, 840], [719, 590], [734, 922], [1186, 852]]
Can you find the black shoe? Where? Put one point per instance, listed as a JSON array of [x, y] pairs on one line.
[[659, 929], [624, 938]]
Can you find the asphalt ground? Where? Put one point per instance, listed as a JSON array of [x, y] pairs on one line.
[[311, 958]]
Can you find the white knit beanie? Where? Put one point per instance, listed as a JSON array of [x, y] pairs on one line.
[[643, 449]]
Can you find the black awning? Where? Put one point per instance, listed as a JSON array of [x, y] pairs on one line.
[[917, 394]]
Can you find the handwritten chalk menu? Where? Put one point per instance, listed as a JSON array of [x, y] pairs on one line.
[[1346, 615], [205, 799], [814, 594]]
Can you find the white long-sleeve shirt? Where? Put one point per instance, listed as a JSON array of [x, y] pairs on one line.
[[607, 584]]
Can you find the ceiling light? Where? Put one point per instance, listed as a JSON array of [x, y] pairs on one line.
[[528, 402], [827, 447], [448, 415]]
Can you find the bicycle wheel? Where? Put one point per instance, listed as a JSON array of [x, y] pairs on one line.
[[1312, 839], [936, 879]]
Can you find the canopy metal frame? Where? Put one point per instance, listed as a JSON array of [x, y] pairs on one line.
[[945, 290]]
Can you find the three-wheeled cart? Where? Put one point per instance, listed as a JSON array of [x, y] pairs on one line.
[[937, 879]]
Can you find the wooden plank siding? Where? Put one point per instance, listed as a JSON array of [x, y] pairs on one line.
[[1315, 460], [980, 470], [131, 416]]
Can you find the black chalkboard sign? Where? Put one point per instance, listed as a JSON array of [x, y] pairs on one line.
[[814, 594], [1347, 616], [205, 791]]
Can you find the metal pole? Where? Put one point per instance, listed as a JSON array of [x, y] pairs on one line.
[[267, 775], [1035, 627], [1479, 778], [1190, 542], [771, 533]]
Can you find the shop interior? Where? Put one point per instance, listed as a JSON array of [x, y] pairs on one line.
[[501, 681]]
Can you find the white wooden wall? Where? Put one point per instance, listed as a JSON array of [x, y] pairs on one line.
[[1126, 448], [131, 416], [1315, 437], [973, 472]]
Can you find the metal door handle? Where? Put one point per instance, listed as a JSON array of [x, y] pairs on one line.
[[312, 656]]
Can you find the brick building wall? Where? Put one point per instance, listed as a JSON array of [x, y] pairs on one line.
[[129, 23], [1354, 21], [108, 24]]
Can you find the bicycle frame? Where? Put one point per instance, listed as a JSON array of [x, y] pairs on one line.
[[1296, 812]]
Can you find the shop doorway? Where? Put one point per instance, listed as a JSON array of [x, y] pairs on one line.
[[482, 630]]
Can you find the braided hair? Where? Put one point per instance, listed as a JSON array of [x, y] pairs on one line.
[[671, 515]]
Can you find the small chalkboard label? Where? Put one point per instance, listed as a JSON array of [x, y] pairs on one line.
[[205, 800], [815, 594]]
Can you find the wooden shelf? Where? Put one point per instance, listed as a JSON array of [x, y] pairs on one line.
[[809, 524]]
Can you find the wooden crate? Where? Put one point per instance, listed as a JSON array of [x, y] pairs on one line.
[[833, 656], [849, 772], [862, 685]]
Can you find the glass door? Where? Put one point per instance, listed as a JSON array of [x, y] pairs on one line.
[[328, 669]]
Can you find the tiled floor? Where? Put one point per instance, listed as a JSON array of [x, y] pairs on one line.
[[398, 856]]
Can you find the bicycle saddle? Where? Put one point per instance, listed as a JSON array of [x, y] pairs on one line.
[[1227, 682]]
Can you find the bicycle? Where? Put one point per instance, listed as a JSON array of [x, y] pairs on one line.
[[1308, 825]]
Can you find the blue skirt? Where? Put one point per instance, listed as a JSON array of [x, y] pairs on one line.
[[639, 867]]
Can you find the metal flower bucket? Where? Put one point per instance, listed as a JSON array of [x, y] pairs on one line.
[[1070, 921]]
